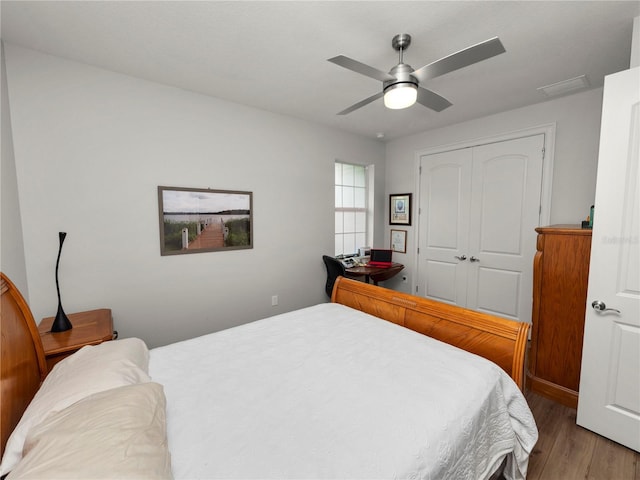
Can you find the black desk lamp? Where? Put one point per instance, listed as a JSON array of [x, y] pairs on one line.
[[61, 323]]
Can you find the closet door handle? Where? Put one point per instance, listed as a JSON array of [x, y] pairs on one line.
[[462, 258], [474, 259]]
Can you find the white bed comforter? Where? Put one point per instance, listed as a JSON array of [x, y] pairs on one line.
[[331, 392]]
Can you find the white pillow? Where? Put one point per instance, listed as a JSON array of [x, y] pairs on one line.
[[120, 433], [91, 369]]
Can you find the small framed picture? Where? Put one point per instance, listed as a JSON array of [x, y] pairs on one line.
[[399, 241], [400, 209]]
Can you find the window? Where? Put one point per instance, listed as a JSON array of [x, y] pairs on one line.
[[351, 213]]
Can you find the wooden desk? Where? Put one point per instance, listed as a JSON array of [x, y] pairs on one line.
[[89, 328], [376, 274]]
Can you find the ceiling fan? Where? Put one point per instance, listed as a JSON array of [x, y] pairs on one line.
[[401, 86]]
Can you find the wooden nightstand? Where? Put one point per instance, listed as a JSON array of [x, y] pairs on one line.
[[89, 328]]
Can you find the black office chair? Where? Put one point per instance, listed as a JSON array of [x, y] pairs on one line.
[[335, 269]]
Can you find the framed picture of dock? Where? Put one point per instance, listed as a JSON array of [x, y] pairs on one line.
[[195, 220]]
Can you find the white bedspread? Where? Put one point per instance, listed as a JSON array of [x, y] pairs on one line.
[[330, 392]]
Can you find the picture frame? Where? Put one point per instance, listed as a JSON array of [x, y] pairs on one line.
[[398, 241], [400, 209], [196, 220]]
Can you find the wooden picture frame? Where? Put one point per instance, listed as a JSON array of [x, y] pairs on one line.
[[400, 209], [196, 220], [398, 241]]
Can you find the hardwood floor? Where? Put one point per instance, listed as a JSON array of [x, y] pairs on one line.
[[566, 451]]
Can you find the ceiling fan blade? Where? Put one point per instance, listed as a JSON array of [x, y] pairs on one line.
[[468, 56], [432, 100], [361, 103], [361, 68]]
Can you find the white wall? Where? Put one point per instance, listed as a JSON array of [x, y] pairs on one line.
[[577, 120], [12, 261], [91, 147], [634, 61]]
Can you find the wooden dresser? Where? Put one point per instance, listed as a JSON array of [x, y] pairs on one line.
[[560, 277]]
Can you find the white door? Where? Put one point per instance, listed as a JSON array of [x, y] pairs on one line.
[[445, 201], [609, 401], [479, 209], [505, 210]]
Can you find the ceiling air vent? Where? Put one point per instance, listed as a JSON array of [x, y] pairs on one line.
[[565, 86]]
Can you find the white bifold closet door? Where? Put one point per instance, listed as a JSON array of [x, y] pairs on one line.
[[479, 208]]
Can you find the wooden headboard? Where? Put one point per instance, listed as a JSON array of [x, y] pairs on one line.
[[22, 362], [498, 339]]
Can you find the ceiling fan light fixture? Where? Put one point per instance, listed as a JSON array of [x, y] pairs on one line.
[[400, 95]]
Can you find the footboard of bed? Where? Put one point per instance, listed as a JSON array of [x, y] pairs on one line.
[[497, 339]]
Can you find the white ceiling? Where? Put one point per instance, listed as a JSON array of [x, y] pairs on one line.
[[272, 55]]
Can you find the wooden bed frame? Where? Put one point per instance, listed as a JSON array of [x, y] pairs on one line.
[[498, 339], [23, 366], [22, 361]]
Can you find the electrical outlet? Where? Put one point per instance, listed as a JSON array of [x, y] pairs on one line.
[[274, 300]]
